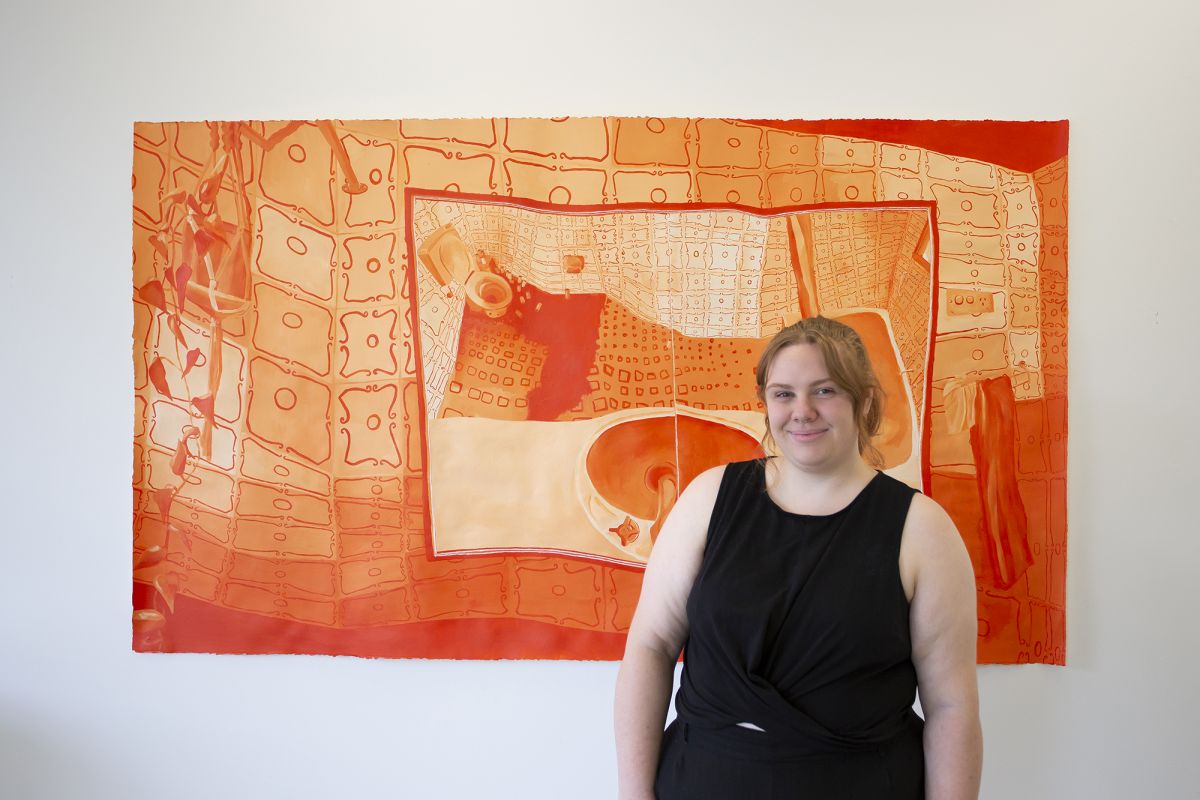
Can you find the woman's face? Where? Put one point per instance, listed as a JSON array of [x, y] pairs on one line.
[[811, 417]]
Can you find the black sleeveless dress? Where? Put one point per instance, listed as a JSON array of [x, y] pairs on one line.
[[798, 626]]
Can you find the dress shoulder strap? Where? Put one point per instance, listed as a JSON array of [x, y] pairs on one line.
[[742, 479]]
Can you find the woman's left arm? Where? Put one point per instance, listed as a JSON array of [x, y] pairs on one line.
[[942, 618]]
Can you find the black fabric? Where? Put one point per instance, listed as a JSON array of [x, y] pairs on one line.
[[799, 625], [713, 764]]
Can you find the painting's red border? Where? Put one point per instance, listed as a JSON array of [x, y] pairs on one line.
[[197, 626]]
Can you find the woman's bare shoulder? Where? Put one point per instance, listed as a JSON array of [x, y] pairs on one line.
[[930, 543], [661, 618], [928, 524]]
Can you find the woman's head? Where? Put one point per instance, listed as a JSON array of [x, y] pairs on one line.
[[848, 366]]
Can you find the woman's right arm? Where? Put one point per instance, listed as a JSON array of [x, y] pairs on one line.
[[656, 636]]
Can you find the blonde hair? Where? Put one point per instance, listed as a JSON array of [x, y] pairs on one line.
[[849, 367]]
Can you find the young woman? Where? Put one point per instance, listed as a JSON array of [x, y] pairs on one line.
[[815, 596]]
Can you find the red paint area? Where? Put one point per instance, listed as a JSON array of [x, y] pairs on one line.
[[566, 325], [1005, 528], [1021, 146], [200, 627]]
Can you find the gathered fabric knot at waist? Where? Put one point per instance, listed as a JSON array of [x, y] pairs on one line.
[[780, 742]]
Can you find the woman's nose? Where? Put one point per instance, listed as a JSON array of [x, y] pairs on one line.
[[803, 409]]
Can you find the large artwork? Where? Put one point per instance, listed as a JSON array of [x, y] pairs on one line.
[[429, 388]]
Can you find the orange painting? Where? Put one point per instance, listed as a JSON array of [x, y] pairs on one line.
[[428, 388]]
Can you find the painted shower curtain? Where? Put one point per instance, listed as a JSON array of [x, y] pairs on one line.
[[428, 388]]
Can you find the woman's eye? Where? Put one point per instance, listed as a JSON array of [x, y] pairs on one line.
[[782, 395], [825, 391]]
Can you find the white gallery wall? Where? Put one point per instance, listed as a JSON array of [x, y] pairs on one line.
[[81, 716]]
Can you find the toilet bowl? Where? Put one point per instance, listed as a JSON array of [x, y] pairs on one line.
[[488, 292], [450, 261]]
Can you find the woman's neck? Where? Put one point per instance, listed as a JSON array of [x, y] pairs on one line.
[[816, 491]]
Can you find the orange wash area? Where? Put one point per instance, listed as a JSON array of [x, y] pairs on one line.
[[428, 388]]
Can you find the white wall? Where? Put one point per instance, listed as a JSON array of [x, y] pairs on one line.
[[82, 716]]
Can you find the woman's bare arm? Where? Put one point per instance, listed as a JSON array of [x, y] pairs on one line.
[[656, 637], [943, 622]]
